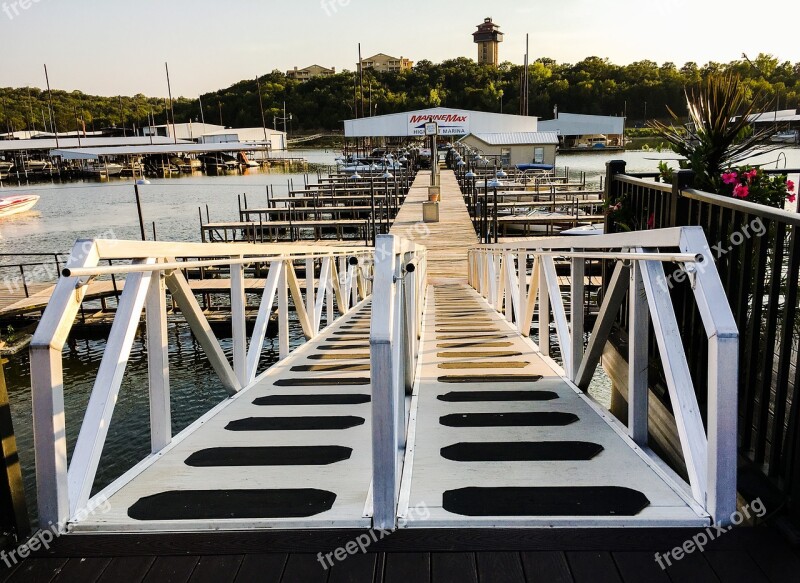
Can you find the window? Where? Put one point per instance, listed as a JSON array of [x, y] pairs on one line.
[[505, 156], [538, 155]]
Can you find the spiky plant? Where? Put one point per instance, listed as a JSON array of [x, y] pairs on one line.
[[718, 135]]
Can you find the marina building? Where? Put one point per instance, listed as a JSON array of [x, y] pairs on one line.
[[578, 131], [488, 38], [310, 72], [516, 148]]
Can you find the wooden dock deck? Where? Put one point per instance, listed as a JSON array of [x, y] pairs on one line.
[[449, 239]]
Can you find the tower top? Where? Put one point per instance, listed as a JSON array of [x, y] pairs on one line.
[[488, 31]]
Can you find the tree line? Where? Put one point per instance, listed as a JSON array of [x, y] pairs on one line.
[[639, 91]]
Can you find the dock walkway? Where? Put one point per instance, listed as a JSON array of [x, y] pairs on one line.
[[449, 239]]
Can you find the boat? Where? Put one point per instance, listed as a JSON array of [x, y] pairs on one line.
[[526, 167], [12, 205], [582, 231], [785, 137], [102, 169], [219, 162]]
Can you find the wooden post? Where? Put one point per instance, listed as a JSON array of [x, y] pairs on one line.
[[679, 206], [13, 511]]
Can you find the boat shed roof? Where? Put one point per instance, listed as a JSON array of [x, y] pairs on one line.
[[518, 138], [452, 122], [782, 115], [576, 124], [171, 148], [69, 143]]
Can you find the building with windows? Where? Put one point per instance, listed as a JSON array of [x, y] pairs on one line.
[[310, 72], [386, 63], [488, 38]]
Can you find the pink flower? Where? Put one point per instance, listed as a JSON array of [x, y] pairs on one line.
[[651, 221], [791, 197], [730, 177], [752, 174], [790, 186], [740, 191]]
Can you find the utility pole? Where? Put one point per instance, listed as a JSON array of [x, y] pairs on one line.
[[171, 108]]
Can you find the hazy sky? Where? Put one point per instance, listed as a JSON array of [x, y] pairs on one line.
[[113, 47]]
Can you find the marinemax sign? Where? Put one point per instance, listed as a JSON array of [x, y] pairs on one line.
[[450, 124]]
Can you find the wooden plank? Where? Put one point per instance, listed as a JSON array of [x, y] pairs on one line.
[[546, 567], [217, 569], [736, 567], [500, 567], [131, 569], [171, 570], [639, 567], [406, 567], [264, 568], [359, 568], [593, 567], [461, 567], [85, 570], [37, 571], [304, 568], [694, 568]]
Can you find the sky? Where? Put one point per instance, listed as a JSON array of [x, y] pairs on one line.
[[112, 47]]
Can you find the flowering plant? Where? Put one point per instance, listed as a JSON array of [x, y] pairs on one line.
[[754, 185]]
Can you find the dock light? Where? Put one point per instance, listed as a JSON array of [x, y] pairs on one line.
[[460, 163], [387, 175], [470, 174], [372, 167], [501, 173], [403, 160], [495, 183], [355, 176]]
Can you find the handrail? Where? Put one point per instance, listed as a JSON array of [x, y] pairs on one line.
[[394, 335], [751, 208], [663, 187], [500, 274], [336, 280]]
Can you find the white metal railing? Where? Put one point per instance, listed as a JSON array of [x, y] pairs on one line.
[[501, 275], [336, 279], [397, 304]]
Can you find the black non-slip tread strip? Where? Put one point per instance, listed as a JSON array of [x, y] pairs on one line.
[[530, 419], [285, 455], [521, 451], [332, 399], [474, 344], [479, 354], [471, 336], [321, 382], [545, 501], [339, 356], [320, 423], [343, 367], [343, 347], [491, 396], [477, 378], [458, 365], [445, 330], [232, 504]]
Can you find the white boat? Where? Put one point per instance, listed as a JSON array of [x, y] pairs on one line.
[[785, 137], [103, 170], [12, 205], [582, 231]]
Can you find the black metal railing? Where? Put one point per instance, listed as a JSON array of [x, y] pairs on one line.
[[14, 522], [757, 251]]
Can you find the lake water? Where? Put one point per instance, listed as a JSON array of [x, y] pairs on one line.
[[74, 210]]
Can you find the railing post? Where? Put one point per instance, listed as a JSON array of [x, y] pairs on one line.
[[544, 310], [679, 206], [611, 191], [385, 392], [238, 323], [576, 309], [158, 364], [638, 365]]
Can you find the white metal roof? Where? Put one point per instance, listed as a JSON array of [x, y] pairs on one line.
[[69, 143], [452, 122], [782, 115], [518, 138], [576, 124], [171, 148]]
